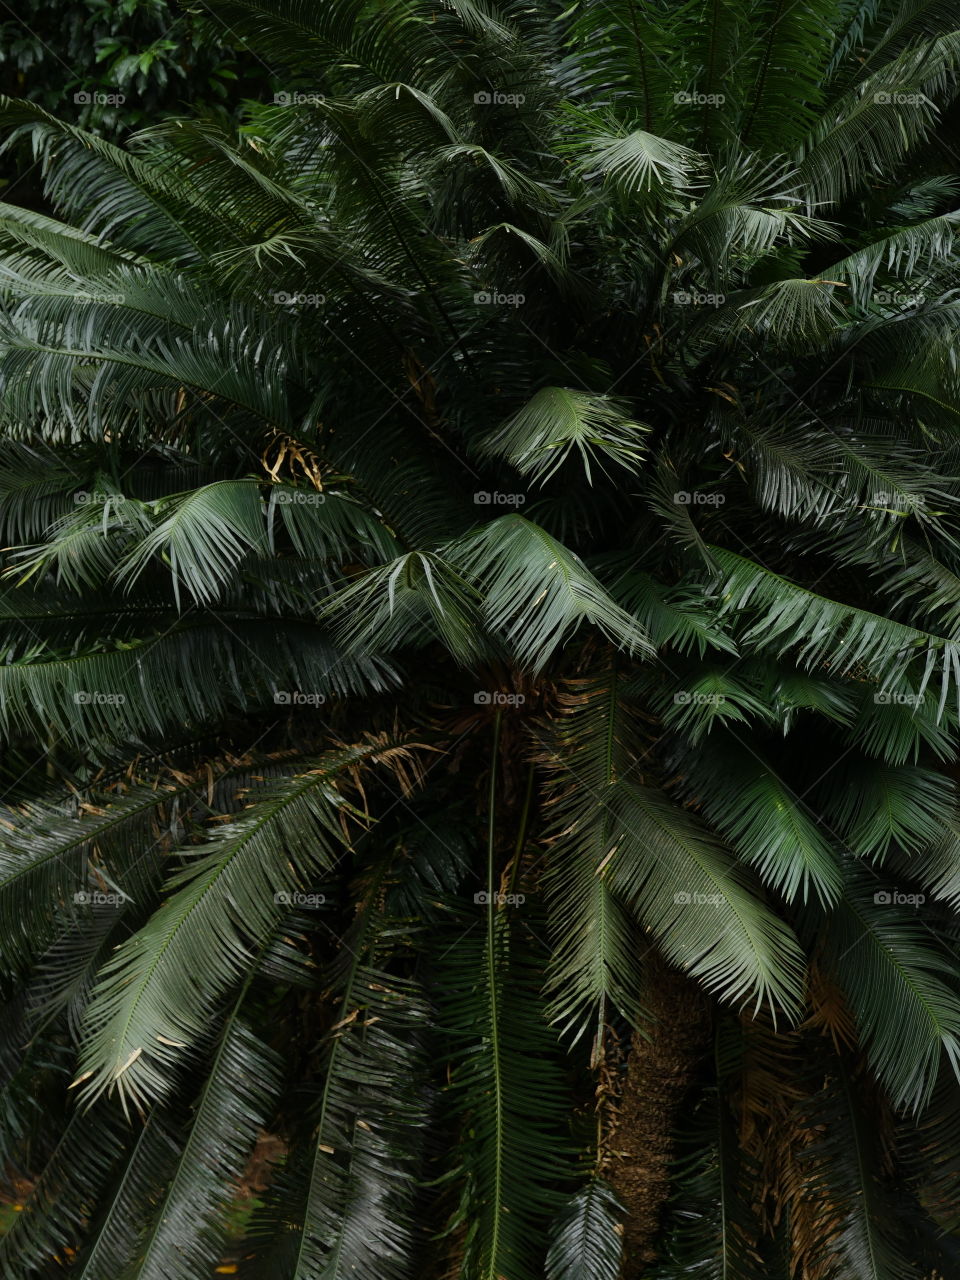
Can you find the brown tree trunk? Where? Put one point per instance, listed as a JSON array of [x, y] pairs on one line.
[[660, 1068]]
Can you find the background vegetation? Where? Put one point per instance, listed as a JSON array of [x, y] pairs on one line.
[[481, 637]]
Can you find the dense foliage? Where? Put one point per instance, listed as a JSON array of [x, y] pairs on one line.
[[481, 637], [115, 66]]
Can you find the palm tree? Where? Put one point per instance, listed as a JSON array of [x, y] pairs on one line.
[[482, 656]]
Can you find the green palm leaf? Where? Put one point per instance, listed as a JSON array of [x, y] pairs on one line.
[[587, 1243], [156, 994], [558, 421], [535, 592]]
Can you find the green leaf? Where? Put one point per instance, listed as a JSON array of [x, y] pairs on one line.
[[587, 1242], [685, 887], [559, 423], [900, 986], [536, 592], [156, 994]]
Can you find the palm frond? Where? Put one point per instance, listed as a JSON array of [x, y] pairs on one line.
[[506, 1093], [687, 890], [156, 995], [896, 978], [559, 423], [848, 638], [535, 592], [587, 1244]]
